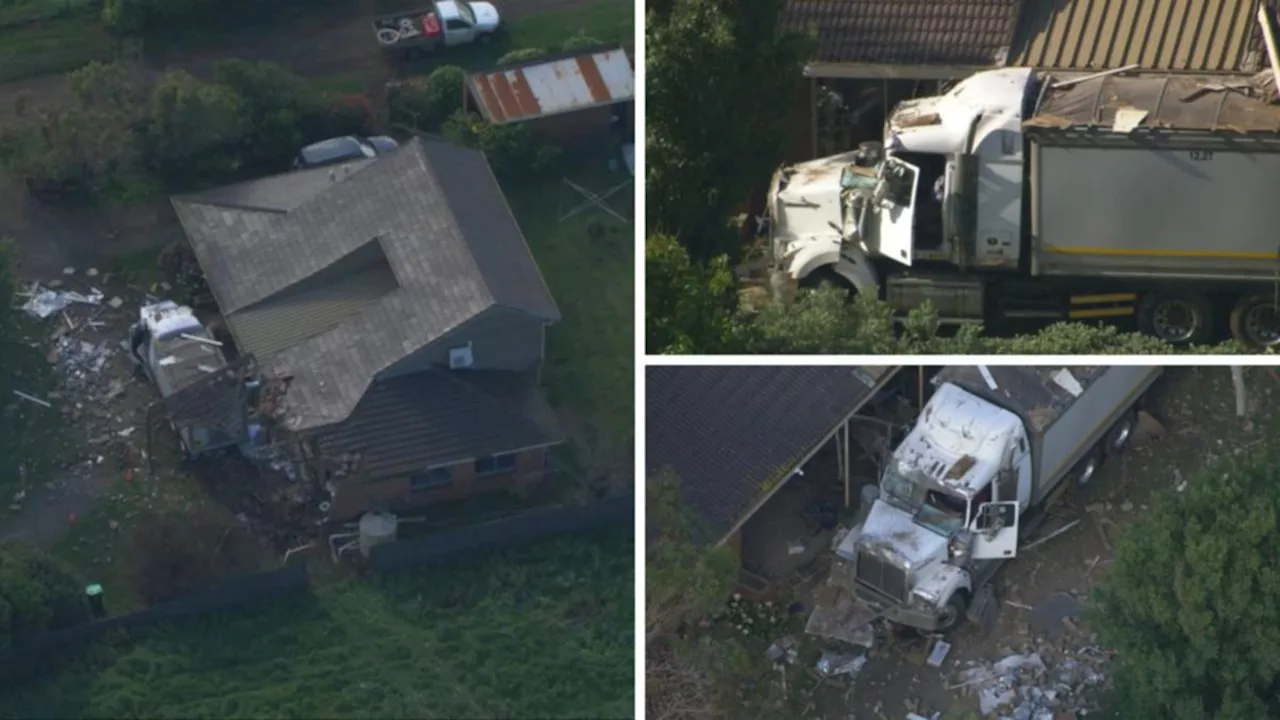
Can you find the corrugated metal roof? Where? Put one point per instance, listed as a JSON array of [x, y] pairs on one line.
[[1170, 35], [553, 86]]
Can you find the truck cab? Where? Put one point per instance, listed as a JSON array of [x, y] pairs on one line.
[[175, 350], [947, 512]]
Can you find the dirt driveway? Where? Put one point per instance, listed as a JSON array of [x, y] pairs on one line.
[[1196, 407]]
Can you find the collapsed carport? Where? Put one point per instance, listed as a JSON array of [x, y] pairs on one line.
[[761, 453]]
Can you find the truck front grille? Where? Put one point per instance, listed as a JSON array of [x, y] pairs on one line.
[[882, 576]]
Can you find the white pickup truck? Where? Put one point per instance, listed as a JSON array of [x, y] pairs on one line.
[[446, 23], [175, 350], [989, 453]]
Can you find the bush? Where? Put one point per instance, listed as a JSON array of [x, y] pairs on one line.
[[191, 128], [580, 41], [279, 110], [511, 149], [176, 554], [37, 593], [426, 103], [521, 55]]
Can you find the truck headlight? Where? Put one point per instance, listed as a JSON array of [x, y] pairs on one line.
[[922, 600]]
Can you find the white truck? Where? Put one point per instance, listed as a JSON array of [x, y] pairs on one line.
[[446, 23], [991, 450], [1019, 196], [175, 350]]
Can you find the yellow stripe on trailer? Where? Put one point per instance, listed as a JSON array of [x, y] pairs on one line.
[[1099, 299]]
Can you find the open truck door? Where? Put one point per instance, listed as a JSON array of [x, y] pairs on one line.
[[900, 180], [995, 531]]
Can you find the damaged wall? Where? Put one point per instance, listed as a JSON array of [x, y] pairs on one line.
[[354, 496]]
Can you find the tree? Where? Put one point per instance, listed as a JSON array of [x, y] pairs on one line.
[[720, 79], [1189, 604], [191, 125], [281, 111], [688, 306], [685, 580], [428, 102], [37, 593], [511, 148]]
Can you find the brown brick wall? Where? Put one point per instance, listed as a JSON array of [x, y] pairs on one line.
[[354, 497]]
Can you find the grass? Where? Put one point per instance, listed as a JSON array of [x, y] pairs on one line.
[[544, 631], [59, 45], [21, 12], [589, 365]]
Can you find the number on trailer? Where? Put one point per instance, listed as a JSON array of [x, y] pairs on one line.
[[1201, 155]]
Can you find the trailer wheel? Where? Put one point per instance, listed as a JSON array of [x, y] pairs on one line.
[[1087, 468], [1254, 322], [1176, 318], [953, 612], [1120, 435]]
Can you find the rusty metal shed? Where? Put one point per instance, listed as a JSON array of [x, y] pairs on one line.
[[1196, 36], [586, 84]]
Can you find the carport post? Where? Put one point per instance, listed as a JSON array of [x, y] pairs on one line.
[[846, 463]]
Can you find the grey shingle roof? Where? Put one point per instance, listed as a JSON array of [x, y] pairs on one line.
[[729, 431], [438, 216], [906, 32], [411, 422]]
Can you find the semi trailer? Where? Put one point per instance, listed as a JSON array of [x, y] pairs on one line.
[[988, 454], [1025, 195]]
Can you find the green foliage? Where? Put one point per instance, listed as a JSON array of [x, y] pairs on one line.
[[579, 41], [37, 593], [688, 306], [719, 75], [522, 55], [511, 149], [1189, 604], [191, 126], [684, 580], [540, 631], [279, 107], [124, 17], [428, 102]]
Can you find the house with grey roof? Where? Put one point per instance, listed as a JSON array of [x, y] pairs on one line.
[[397, 303]]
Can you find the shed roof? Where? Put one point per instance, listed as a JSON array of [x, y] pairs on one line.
[[438, 417], [553, 85], [282, 256], [1198, 36], [1156, 101], [974, 33], [729, 431]]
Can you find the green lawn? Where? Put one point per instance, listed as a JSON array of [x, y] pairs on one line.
[[544, 631], [56, 46], [589, 367]]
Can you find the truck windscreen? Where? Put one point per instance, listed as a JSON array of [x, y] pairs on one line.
[[942, 512]]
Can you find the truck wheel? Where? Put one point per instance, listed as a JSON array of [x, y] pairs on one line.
[[1176, 318], [1118, 438], [953, 612], [1254, 322], [1087, 468]]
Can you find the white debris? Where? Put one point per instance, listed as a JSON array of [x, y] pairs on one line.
[[1025, 687], [91, 272], [115, 303], [939, 654], [68, 270], [32, 398], [834, 664], [44, 303]]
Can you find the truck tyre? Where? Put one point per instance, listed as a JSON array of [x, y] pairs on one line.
[[1087, 468], [1178, 318], [953, 612], [1120, 435], [1254, 322]]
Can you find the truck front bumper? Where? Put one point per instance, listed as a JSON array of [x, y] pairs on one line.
[[898, 613]]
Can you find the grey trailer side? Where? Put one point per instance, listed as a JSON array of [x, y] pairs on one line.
[[1154, 177]]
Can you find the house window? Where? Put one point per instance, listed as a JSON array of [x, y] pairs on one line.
[[432, 479], [496, 464], [460, 357]]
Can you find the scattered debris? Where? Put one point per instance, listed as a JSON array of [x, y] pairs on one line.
[[782, 650], [91, 272], [939, 654], [1023, 687], [43, 303], [115, 303], [833, 664], [795, 548], [1051, 535], [32, 398]]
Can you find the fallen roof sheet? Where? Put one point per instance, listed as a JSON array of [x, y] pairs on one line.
[[553, 86]]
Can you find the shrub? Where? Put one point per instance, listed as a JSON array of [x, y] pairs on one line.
[[580, 41], [176, 554], [521, 55], [428, 102], [191, 126], [511, 149], [37, 593]]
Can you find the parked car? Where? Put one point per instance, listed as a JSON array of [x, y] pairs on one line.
[[343, 149], [447, 23]]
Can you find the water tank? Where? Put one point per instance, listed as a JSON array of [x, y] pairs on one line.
[[376, 529]]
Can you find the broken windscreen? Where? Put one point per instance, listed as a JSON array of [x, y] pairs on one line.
[[942, 512]]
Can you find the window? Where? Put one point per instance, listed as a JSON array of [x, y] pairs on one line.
[[431, 479], [505, 462], [456, 25], [460, 357], [468, 17]]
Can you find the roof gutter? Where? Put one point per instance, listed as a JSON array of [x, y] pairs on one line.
[[885, 71], [875, 390]]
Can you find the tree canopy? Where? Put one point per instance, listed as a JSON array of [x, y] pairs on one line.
[[1190, 603], [37, 593]]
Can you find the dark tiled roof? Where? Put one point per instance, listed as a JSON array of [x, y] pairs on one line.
[[440, 219], [411, 422], [728, 432], [906, 32]]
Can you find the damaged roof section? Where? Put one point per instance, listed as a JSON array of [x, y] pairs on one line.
[[731, 432], [334, 274], [409, 423], [974, 33], [1040, 395]]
